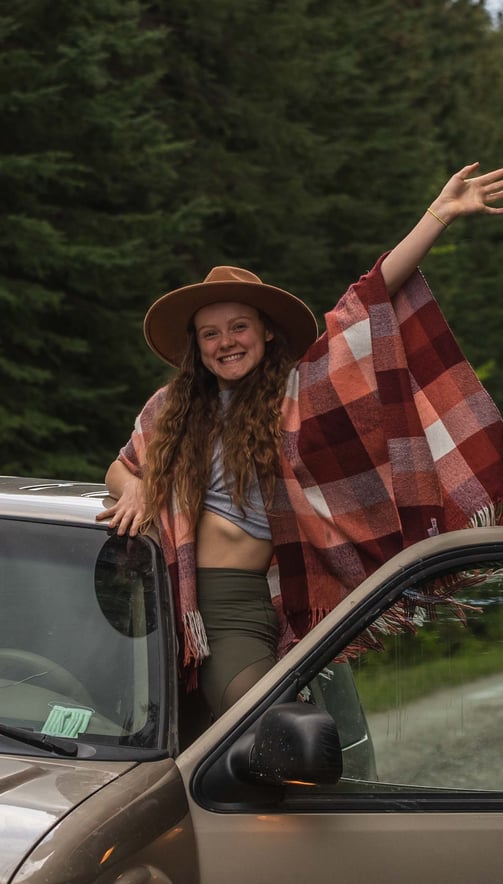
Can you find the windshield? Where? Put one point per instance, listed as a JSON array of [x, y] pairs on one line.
[[79, 634]]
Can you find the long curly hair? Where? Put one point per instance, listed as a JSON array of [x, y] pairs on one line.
[[179, 454]]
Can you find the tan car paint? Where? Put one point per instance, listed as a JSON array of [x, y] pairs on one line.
[[126, 823], [137, 830], [338, 848]]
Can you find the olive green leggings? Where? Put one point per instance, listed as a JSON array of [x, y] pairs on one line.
[[242, 629]]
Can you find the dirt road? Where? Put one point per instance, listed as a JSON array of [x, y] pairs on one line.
[[451, 738]]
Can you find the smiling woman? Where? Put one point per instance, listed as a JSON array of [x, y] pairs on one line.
[[241, 340], [231, 339], [277, 453]]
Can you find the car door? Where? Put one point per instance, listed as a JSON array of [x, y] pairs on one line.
[[410, 669]]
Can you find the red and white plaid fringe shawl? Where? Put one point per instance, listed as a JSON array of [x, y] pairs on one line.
[[387, 436]]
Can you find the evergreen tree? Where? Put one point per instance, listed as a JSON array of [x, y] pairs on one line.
[[466, 265], [410, 96], [241, 82], [144, 142], [86, 163]]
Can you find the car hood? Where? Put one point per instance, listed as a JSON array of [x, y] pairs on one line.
[[36, 793]]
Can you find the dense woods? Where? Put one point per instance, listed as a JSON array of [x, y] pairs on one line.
[[142, 143]]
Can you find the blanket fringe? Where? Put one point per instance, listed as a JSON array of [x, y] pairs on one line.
[[316, 615], [416, 606], [487, 516], [196, 647]]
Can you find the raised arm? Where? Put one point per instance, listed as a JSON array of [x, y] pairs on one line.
[[461, 195]]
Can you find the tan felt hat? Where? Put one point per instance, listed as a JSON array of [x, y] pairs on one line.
[[168, 318]]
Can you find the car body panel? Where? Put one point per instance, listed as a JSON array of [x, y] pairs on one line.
[[136, 830], [351, 848], [380, 846], [35, 794], [165, 821], [54, 499]]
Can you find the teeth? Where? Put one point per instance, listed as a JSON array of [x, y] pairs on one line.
[[233, 358]]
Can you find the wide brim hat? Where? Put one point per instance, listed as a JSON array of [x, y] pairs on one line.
[[167, 321]]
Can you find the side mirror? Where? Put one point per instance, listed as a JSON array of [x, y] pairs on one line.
[[296, 743], [291, 743]]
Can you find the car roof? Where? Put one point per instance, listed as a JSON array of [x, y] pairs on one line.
[[52, 499]]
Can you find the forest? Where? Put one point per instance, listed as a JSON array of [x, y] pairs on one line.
[[142, 143]]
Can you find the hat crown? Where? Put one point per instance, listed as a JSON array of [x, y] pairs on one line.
[[232, 274]]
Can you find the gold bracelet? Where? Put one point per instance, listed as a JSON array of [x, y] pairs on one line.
[[437, 217]]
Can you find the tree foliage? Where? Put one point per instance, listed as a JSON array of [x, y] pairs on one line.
[[144, 142], [86, 162]]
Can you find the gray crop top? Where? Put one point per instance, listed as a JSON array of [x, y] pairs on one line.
[[252, 517]]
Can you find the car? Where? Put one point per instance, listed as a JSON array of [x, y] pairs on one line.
[[371, 751]]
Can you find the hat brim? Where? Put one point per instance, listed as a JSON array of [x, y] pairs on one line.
[[167, 321]]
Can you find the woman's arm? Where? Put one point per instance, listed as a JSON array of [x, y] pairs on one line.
[[128, 490], [460, 196], [129, 511]]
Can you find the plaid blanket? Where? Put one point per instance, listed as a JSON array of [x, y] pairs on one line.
[[388, 436]]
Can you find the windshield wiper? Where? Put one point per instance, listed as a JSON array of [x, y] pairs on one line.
[[40, 741]]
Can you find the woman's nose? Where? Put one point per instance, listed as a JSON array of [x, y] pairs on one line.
[[227, 339]]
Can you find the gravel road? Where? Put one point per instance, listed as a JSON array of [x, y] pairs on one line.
[[451, 738]]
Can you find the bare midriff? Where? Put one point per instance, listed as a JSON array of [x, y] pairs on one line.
[[221, 544]]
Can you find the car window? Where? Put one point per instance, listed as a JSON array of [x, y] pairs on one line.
[[418, 695], [79, 634]]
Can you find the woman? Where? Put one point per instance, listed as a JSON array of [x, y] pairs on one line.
[[323, 455]]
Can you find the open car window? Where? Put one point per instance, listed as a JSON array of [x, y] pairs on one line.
[[417, 695]]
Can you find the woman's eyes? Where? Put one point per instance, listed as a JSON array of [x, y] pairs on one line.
[[212, 333]]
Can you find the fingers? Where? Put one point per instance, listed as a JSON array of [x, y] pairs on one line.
[[125, 518], [496, 175], [493, 191], [129, 523], [464, 195], [494, 210], [467, 170], [491, 183], [488, 178], [494, 197], [488, 187]]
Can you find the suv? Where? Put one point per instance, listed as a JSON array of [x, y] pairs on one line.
[[362, 754]]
